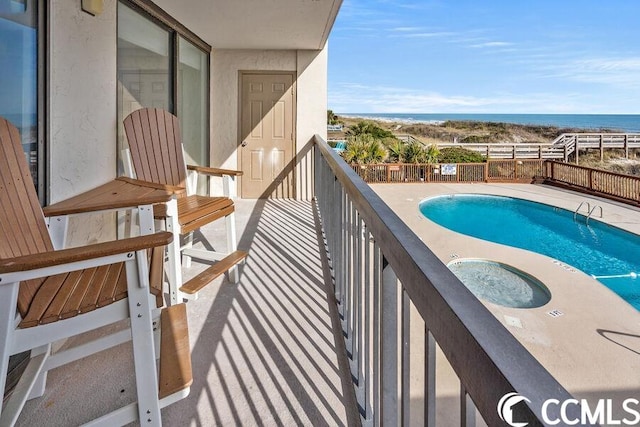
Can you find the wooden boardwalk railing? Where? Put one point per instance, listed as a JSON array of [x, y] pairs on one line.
[[574, 142], [625, 188], [513, 151], [560, 149]]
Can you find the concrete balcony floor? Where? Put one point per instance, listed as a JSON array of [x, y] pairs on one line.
[[264, 351]]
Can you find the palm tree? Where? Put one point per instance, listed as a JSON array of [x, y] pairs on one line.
[[414, 153], [364, 149], [431, 153], [332, 119], [394, 147]]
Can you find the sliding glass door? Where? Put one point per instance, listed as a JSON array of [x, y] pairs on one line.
[[193, 111], [144, 66], [158, 67], [19, 78]]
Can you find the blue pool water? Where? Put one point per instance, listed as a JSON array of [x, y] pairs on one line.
[[597, 248]]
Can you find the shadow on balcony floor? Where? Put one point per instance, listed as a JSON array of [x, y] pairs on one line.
[[263, 351]]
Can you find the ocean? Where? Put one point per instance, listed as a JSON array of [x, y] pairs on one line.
[[628, 123]]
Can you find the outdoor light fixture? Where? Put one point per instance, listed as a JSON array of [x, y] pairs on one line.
[[93, 7]]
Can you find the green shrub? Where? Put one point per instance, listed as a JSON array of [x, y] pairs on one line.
[[477, 139], [369, 128], [459, 155]]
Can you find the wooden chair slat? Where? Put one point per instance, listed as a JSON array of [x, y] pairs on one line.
[[194, 207], [121, 286], [139, 157], [156, 273], [167, 172], [207, 276], [206, 219], [108, 291], [44, 297], [175, 359], [176, 155], [28, 290], [90, 300], [61, 298], [75, 298], [156, 147]]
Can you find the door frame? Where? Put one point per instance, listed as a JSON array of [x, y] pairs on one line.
[[294, 112]]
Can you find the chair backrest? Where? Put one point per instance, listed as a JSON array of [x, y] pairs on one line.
[[22, 227], [156, 146]]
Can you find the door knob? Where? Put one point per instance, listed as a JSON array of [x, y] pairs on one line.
[[244, 144]]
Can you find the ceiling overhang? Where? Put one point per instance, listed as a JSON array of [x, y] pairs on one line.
[[257, 24]]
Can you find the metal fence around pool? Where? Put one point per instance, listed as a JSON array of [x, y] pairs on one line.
[[624, 188], [491, 171]]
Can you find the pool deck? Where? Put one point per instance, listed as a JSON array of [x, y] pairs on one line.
[[593, 347]]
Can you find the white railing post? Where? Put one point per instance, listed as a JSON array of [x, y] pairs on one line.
[[377, 331], [390, 350]]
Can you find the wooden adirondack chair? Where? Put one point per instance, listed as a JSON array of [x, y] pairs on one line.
[[156, 155], [49, 294]]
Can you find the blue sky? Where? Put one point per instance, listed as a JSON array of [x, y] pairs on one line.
[[487, 56]]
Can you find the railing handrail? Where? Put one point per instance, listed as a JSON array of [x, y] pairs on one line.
[[593, 170], [490, 361], [494, 144]]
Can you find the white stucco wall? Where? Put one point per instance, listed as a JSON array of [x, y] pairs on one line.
[[82, 98], [82, 109], [310, 68]]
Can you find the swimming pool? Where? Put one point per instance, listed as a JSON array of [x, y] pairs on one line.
[[598, 249]]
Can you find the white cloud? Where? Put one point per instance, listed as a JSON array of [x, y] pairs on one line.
[[491, 44], [618, 72], [426, 34], [356, 98], [407, 29]]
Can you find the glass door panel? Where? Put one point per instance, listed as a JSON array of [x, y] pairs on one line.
[[144, 67], [193, 111], [19, 73]]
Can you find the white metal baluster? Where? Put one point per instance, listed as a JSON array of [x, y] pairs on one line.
[[405, 401], [430, 379], [367, 325], [467, 409], [390, 349], [377, 309], [359, 335]]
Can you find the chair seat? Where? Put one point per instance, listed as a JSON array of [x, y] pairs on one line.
[[66, 295], [196, 211]]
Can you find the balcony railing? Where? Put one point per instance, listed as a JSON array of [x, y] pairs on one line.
[[397, 300]]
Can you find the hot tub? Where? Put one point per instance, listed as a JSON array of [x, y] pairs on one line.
[[500, 283]]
